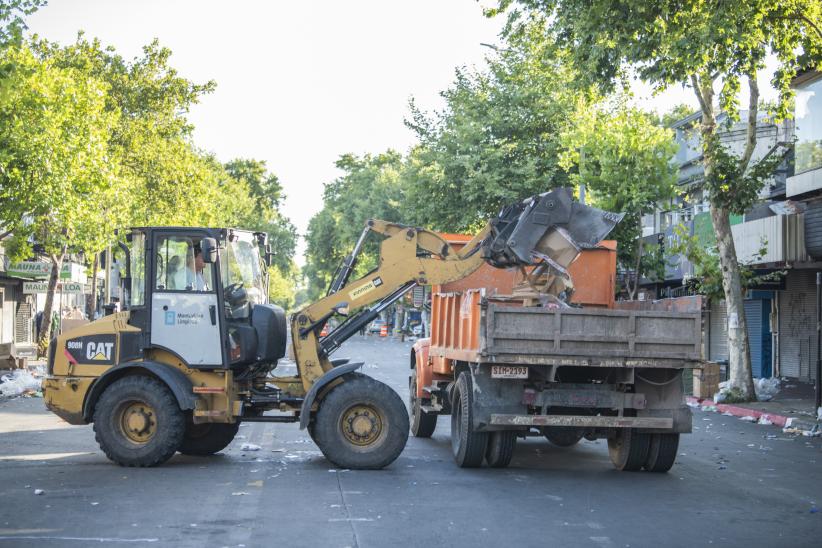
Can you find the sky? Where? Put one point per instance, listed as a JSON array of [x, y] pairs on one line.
[[300, 83]]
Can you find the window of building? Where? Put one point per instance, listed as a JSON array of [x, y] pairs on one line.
[[808, 151]]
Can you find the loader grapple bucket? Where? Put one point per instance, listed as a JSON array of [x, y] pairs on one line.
[[545, 225]]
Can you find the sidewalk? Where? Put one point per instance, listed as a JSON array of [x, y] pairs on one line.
[[792, 407]]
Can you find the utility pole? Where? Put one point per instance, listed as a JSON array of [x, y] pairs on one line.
[[818, 341]]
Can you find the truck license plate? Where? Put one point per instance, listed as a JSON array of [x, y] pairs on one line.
[[509, 372]]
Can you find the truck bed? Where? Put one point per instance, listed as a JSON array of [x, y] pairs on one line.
[[468, 326]]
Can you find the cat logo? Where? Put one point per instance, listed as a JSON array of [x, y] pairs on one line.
[[99, 351], [92, 349]]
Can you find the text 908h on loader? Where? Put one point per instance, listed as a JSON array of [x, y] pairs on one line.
[[193, 352]]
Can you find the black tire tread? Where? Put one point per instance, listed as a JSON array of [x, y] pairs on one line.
[[467, 446], [360, 388], [423, 424], [632, 453], [166, 441], [219, 436], [662, 452], [500, 449]]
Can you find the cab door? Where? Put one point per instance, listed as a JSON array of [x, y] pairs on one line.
[[185, 313]]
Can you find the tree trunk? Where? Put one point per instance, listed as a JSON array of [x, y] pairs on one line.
[[91, 307], [739, 355], [45, 329], [632, 291]]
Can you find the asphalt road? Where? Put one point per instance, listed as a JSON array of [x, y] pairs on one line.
[[734, 484]]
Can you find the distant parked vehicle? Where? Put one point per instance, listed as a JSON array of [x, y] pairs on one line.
[[375, 326]]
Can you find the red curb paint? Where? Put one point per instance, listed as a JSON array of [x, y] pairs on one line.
[[736, 411]]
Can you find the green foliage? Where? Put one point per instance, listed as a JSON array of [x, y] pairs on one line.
[[57, 183], [12, 19], [282, 287], [497, 140], [368, 189], [623, 158], [707, 278], [267, 195]]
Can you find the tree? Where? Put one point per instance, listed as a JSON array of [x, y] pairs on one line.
[[624, 158], [268, 196], [370, 188], [12, 19], [57, 184], [707, 46], [497, 139]]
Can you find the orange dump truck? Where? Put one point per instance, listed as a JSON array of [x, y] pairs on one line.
[[504, 368]]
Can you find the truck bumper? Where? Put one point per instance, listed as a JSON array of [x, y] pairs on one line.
[[64, 397], [581, 421]]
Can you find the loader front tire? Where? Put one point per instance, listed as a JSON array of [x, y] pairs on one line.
[[137, 422], [206, 439], [422, 424], [361, 424], [467, 445]]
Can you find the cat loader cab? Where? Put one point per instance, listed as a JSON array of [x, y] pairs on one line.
[[170, 371]]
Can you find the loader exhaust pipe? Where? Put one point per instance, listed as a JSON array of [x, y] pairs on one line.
[[551, 224]]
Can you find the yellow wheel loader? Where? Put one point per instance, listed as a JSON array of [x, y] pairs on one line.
[[194, 351]]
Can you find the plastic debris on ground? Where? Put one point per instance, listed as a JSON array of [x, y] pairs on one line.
[[765, 420], [724, 388], [766, 389], [748, 418], [815, 432], [250, 447], [21, 382]]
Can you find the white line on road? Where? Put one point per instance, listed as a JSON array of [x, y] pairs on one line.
[[82, 539]]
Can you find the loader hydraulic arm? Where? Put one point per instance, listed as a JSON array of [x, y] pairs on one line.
[[409, 256]]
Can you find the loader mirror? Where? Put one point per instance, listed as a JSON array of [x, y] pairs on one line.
[[209, 249]]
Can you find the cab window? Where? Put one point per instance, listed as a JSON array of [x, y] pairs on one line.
[[180, 266]]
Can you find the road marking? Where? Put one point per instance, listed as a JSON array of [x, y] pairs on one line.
[[82, 539], [43, 456]]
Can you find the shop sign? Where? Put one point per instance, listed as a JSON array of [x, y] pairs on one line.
[[65, 288]]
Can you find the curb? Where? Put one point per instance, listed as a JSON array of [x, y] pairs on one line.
[[737, 411]]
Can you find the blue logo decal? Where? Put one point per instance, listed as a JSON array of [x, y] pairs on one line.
[[170, 315]]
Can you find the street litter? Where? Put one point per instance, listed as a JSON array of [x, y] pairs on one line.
[[249, 447], [748, 418], [764, 420], [766, 389], [238, 494], [38, 491], [21, 382]]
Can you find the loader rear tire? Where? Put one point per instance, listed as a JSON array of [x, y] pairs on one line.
[[422, 424], [662, 452], [500, 449], [206, 439], [137, 422], [629, 449], [467, 445], [361, 424]]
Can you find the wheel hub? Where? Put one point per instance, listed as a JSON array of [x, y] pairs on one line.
[[361, 424], [138, 422]]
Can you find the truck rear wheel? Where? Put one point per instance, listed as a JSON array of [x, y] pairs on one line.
[[629, 449], [361, 424], [662, 452], [207, 439], [500, 449], [137, 422], [467, 445], [422, 424], [562, 436]]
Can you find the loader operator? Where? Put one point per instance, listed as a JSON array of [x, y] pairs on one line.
[[196, 280]]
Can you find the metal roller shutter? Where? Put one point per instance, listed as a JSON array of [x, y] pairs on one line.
[[753, 315], [719, 332], [797, 324]]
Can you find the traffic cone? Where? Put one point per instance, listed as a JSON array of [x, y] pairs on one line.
[[384, 330], [324, 332]]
